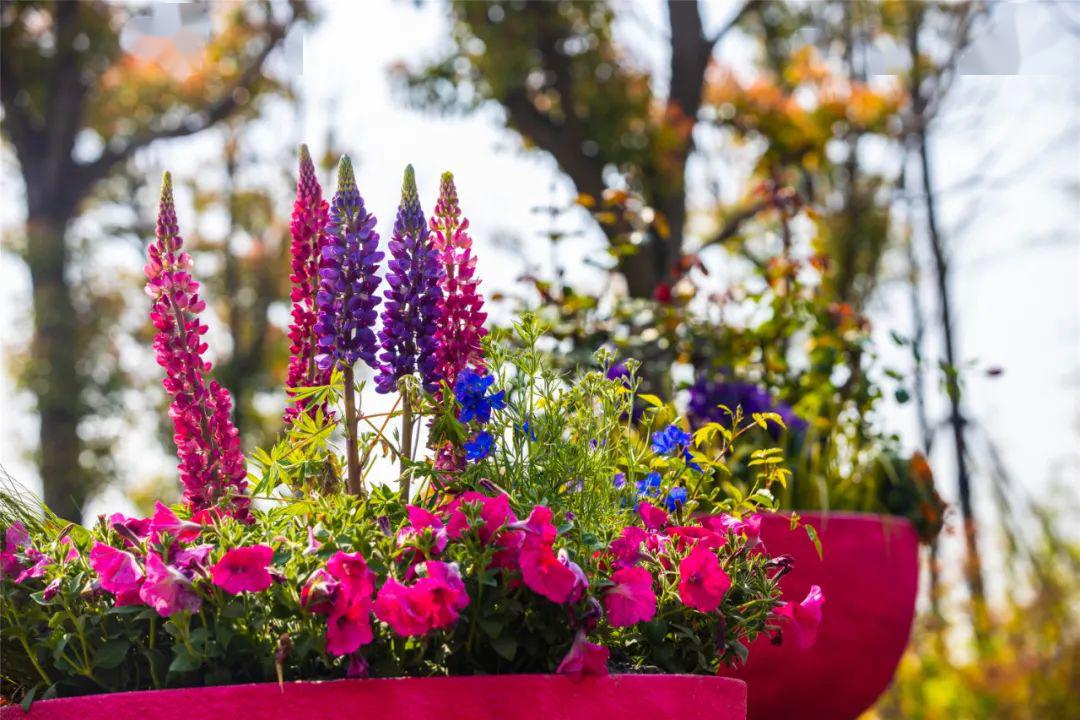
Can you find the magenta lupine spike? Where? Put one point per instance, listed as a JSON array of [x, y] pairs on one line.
[[308, 228], [461, 310], [211, 466]]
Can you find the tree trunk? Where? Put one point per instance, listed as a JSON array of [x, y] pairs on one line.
[[57, 380]]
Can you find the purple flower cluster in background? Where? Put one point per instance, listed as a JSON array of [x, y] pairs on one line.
[[707, 395], [347, 279], [411, 313]]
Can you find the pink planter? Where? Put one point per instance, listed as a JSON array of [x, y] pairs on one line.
[[869, 575], [498, 697]]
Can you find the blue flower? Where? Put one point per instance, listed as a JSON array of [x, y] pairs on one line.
[[619, 481], [670, 440], [649, 485], [676, 497], [470, 390], [479, 447], [526, 428]]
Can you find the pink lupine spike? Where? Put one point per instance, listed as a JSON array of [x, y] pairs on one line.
[[308, 228], [461, 324], [212, 469]]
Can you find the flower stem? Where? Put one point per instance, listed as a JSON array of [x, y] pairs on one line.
[[352, 453], [406, 441]]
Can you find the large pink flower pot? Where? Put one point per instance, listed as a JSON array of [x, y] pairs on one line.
[[494, 697], [869, 575]]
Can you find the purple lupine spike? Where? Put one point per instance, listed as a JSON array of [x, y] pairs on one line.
[[308, 230], [461, 323], [347, 281], [211, 466], [411, 312]]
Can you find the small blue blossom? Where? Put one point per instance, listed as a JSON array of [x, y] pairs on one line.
[[470, 390], [619, 481], [676, 498], [527, 429], [649, 485], [479, 447], [670, 440]]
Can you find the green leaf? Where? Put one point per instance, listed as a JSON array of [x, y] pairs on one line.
[[111, 654], [183, 662], [506, 646], [29, 699], [812, 533]]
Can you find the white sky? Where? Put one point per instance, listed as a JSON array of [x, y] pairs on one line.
[[1016, 254]]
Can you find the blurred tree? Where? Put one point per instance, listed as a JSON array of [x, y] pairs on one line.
[[78, 102]]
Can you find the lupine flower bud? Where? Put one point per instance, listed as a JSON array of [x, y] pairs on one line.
[[211, 466], [411, 312], [308, 229], [347, 279], [461, 322]]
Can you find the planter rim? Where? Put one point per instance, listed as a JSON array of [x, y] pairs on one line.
[[503, 696]]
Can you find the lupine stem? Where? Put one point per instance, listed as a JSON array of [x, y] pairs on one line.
[[352, 452], [406, 454]]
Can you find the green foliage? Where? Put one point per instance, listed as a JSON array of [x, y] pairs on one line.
[[73, 639]]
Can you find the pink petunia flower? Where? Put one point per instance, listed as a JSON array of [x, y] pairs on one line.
[[545, 575], [401, 609], [166, 589], [443, 594], [73, 552], [702, 582], [420, 520], [686, 536], [358, 667], [653, 517], [631, 599], [243, 569], [192, 559], [581, 582], [349, 626], [118, 572], [132, 530], [51, 590], [495, 513], [166, 521], [802, 620], [38, 562], [352, 571], [748, 527], [320, 593], [584, 658], [626, 549], [538, 527]]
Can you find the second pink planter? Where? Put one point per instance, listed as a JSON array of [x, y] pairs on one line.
[[869, 574]]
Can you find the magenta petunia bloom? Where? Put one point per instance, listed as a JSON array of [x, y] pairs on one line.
[[802, 620], [431, 603], [349, 626], [166, 589], [402, 609], [166, 521], [749, 527], [626, 549], [132, 530], [352, 571], [581, 582], [119, 573], [16, 538], [319, 594], [244, 569], [443, 593], [686, 536], [702, 582], [653, 517], [495, 513], [631, 599], [192, 560], [545, 575], [420, 520], [584, 658], [539, 528], [38, 562]]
